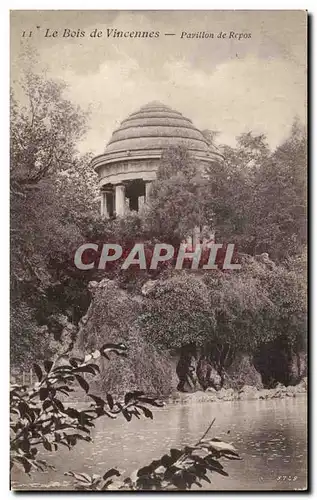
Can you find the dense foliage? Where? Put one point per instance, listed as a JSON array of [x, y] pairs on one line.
[[259, 197], [178, 201], [237, 310], [113, 315], [53, 204]]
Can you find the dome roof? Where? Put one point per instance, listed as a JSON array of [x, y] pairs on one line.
[[153, 128]]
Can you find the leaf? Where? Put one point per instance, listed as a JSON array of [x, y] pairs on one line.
[[23, 408], [71, 439], [111, 346], [82, 382], [151, 401], [175, 454], [166, 461], [146, 411], [59, 404], [110, 473], [95, 367], [73, 362], [65, 389], [99, 401], [130, 396], [38, 371], [84, 369], [47, 403], [133, 395], [110, 401], [84, 476], [72, 413], [48, 365], [26, 464], [127, 415], [219, 446], [44, 392], [47, 445], [119, 349], [62, 368], [24, 446], [107, 483], [213, 465], [80, 477]]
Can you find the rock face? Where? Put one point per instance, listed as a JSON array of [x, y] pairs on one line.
[[248, 392], [278, 364], [303, 385], [207, 374], [226, 394], [297, 367], [186, 369], [112, 317], [242, 373], [186, 372], [202, 374], [196, 372]]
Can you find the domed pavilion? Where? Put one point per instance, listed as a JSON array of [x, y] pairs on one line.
[[131, 158]]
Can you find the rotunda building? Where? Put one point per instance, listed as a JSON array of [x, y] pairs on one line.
[[131, 158]]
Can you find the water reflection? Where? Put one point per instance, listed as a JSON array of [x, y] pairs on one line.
[[270, 436]]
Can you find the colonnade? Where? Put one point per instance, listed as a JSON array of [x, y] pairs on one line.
[[119, 199], [115, 202]]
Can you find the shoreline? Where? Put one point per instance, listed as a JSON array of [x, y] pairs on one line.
[[247, 393]]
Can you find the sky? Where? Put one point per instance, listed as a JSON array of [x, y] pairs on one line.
[[233, 86]]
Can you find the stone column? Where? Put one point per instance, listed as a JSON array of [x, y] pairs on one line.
[[109, 201], [102, 202], [120, 200], [104, 210], [148, 186], [141, 202]]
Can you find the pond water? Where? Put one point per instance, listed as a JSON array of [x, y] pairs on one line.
[[270, 435]]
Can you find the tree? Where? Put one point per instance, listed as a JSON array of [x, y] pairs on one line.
[[178, 203], [231, 190], [178, 311], [281, 198], [259, 197], [52, 205], [44, 130]]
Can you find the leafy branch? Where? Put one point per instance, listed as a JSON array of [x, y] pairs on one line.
[[40, 418], [178, 470]]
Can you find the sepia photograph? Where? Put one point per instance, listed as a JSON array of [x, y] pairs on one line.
[[158, 250]]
